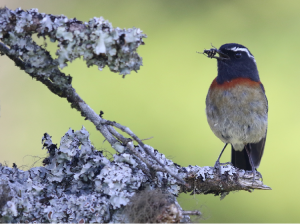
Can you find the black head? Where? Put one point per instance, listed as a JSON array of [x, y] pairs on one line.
[[236, 61]]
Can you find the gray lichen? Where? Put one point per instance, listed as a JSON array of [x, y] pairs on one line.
[[96, 41], [76, 184]]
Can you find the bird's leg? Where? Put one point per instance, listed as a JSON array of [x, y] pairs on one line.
[[217, 164], [251, 162]]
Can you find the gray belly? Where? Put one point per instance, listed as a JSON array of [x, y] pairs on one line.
[[237, 117]]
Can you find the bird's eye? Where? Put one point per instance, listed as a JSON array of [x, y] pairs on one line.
[[238, 55]]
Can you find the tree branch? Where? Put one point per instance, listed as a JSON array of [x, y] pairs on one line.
[[77, 183]]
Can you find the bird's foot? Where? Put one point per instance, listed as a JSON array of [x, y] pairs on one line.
[[227, 163], [218, 164], [259, 174], [255, 172], [217, 167]]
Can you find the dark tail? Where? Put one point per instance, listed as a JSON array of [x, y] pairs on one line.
[[240, 159]]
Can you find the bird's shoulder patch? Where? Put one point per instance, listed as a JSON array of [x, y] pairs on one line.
[[235, 82]]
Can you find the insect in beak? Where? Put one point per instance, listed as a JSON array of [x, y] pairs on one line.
[[211, 53]]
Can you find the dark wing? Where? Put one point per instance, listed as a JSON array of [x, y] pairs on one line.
[[263, 88], [257, 149]]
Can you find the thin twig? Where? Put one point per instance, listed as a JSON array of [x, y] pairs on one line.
[[146, 148], [130, 146], [118, 135], [195, 212], [147, 138], [132, 149]]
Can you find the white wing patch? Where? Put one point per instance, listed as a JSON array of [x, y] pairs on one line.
[[245, 50]]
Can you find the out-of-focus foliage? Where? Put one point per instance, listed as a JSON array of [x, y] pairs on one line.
[[166, 98]]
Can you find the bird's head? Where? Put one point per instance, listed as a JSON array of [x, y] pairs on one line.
[[234, 61]]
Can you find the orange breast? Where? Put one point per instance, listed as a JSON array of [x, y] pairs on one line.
[[235, 82]]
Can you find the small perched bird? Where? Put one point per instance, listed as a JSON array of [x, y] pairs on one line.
[[237, 107]]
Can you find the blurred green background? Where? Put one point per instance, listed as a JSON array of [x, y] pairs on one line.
[[166, 98]]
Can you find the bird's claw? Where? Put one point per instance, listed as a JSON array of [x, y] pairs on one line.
[[259, 174], [218, 167], [255, 172]]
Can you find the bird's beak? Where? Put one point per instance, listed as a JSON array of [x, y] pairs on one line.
[[222, 56]]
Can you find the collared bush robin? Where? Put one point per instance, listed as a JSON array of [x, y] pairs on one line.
[[237, 107]]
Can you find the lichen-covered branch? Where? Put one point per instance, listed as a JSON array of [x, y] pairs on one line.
[[77, 183], [96, 41]]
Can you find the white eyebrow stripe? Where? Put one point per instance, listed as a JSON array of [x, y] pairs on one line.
[[243, 49]]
